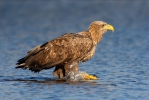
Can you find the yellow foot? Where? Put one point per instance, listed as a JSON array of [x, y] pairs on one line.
[[89, 77]]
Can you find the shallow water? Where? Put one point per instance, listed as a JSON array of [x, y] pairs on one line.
[[121, 59]]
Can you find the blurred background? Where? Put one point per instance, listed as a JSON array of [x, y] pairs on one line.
[[121, 59]]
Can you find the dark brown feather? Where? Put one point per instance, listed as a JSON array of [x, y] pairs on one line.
[[67, 48]]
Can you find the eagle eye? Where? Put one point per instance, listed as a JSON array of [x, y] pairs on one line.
[[103, 25]]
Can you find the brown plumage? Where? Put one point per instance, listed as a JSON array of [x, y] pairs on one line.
[[64, 53]]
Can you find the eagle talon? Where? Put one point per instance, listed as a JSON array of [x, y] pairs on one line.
[[90, 77]]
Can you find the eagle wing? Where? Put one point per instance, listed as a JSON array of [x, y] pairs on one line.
[[67, 48]]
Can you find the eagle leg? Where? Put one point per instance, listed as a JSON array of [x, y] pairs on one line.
[[62, 70], [59, 71], [71, 67], [75, 74]]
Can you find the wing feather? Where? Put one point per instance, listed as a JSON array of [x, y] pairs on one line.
[[64, 49]]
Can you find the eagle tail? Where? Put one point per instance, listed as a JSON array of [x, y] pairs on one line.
[[22, 64]]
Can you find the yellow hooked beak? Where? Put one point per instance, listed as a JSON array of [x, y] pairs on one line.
[[108, 27]]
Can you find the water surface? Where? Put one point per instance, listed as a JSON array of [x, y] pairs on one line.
[[121, 59]]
